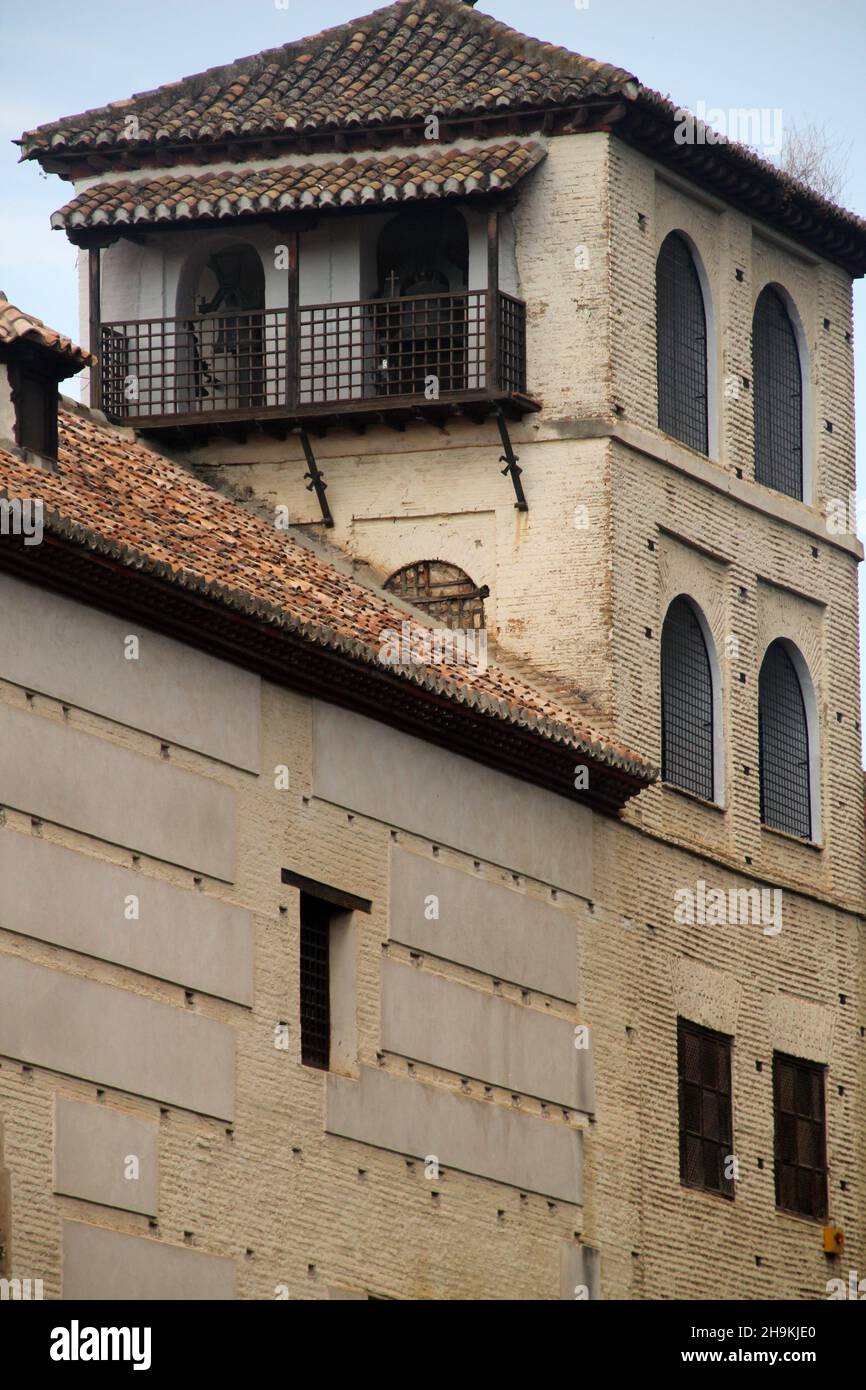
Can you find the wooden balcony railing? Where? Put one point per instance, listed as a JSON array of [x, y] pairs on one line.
[[324, 359]]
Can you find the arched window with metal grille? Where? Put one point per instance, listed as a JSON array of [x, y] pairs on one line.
[[444, 591], [688, 753], [681, 345], [786, 786], [777, 396]]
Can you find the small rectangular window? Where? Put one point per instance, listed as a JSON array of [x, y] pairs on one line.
[[704, 1060], [315, 982], [801, 1137], [35, 398]]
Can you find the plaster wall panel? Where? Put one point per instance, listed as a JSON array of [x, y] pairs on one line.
[[360, 764], [93, 1147], [89, 784], [99, 1033], [474, 1136], [464, 1030], [503, 932], [174, 691], [73, 900], [101, 1264]]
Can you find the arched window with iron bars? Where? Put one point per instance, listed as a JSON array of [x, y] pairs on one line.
[[777, 396], [681, 345], [687, 702], [785, 775], [444, 591]]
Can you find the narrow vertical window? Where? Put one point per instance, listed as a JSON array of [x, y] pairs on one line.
[[681, 346], [705, 1109], [687, 702], [801, 1139], [777, 396], [786, 793], [315, 982]]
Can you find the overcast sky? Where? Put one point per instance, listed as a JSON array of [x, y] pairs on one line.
[[799, 57]]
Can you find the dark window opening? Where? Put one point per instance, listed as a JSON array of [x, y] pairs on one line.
[[778, 397], [315, 982], [681, 346], [801, 1141], [34, 395], [687, 703], [704, 1066], [422, 261], [784, 746]]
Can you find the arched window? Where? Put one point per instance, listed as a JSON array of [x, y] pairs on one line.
[[687, 703], [786, 791], [423, 321], [778, 396], [681, 345], [220, 360], [442, 590]]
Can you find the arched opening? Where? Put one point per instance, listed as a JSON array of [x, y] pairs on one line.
[[429, 341], [789, 751], [681, 345], [777, 396], [692, 757], [222, 363], [444, 591]]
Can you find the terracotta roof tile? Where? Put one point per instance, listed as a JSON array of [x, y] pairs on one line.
[[418, 58], [149, 512], [16, 326], [413, 59], [388, 178]]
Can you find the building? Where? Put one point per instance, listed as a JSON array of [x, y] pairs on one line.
[[445, 993]]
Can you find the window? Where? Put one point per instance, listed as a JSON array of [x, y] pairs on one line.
[[327, 970], [681, 345], [778, 396], [35, 398], [443, 591], [315, 982], [801, 1145], [687, 702], [705, 1108], [786, 795]]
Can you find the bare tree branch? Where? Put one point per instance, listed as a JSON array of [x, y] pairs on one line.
[[816, 158]]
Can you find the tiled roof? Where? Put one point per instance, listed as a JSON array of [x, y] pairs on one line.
[[16, 326], [388, 178], [115, 495], [414, 59]]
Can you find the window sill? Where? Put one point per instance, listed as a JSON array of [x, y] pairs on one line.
[[810, 1221], [707, 1192], [693, 796], [815, 845]]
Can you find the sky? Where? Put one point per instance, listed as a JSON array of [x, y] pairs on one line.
[[800, 58]]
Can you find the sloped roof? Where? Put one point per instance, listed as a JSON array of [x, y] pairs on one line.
[[413, 59], [386, 179], [393, 69], [117, 498], [18, 327]]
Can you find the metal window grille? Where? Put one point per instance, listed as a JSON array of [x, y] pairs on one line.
[[778, 397], [704, 1067], [784, 744], [315, 982], [800, 1146], [442, 590], [681, 346], [687, 703]]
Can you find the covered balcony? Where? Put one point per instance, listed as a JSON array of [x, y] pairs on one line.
[[338, 294]]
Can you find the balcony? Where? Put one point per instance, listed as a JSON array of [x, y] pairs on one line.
[[357, 362]]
